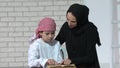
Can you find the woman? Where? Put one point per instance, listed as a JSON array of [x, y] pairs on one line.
[[81, 37]]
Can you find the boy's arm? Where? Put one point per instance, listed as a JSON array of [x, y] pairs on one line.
[[34, 59], [60, 53]]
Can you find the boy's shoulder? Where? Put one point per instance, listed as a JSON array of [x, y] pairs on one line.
[[56, 42], [37, 41]]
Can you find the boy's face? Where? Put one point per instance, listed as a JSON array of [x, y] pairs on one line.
[[47, 36]]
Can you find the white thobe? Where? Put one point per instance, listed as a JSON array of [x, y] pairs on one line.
[[39, 52]]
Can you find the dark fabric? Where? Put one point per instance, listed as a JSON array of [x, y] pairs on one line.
[[81, 41]]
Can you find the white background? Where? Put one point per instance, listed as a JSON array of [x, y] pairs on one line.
[[101, 14]]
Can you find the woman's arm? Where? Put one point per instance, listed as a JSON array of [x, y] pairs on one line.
[[61, 35]]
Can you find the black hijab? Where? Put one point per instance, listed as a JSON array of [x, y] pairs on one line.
[[81, 13]]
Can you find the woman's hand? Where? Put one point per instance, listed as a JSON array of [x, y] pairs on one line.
[[51, 61]]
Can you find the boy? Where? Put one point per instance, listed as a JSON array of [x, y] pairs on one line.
[[44, 50]]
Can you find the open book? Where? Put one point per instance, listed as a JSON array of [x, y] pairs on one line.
[[61, 66]]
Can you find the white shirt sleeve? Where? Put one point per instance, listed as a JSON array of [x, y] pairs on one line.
[[31, 40], [34, 59], [60, 54]]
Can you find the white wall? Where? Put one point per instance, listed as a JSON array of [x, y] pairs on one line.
[[18, 20], [100, 14]]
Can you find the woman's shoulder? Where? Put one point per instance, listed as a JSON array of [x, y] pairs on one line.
[[90, 27], [64, 25], [93, 26]]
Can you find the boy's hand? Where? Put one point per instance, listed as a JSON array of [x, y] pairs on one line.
[[51, 61]]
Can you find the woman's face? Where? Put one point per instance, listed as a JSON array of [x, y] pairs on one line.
[[47, 36], [71, 20]]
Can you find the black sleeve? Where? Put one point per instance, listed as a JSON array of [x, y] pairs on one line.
[[61, 35], [91, 54]]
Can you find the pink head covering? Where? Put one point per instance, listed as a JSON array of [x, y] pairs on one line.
[[46, 24]]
